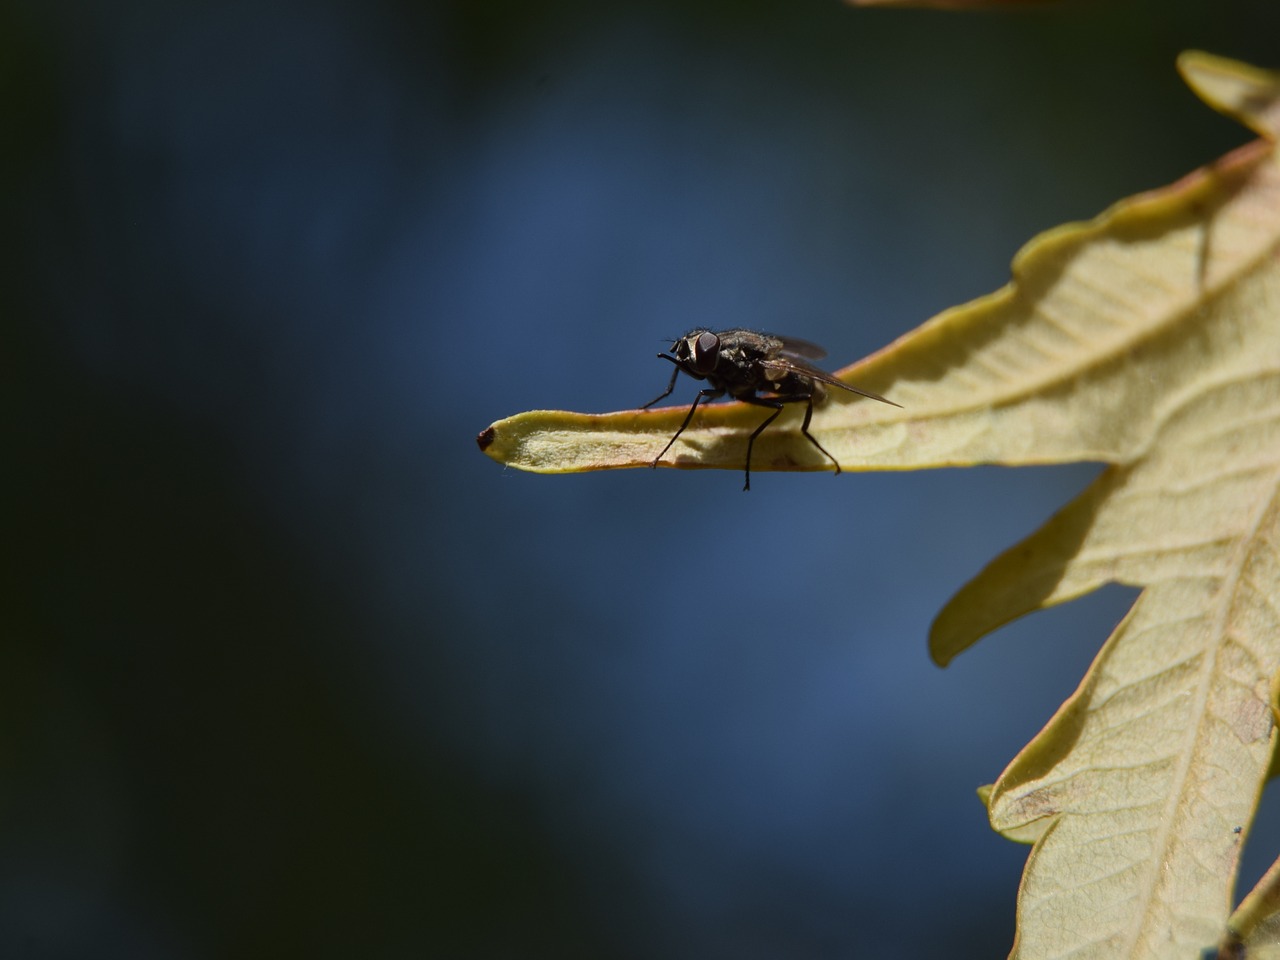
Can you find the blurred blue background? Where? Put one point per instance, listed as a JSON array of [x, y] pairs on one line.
[[290, 669]]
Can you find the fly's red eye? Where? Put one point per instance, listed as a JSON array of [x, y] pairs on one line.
[[705, 351]]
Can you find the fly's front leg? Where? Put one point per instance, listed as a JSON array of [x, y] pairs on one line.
[[707, 394], [670, 386]]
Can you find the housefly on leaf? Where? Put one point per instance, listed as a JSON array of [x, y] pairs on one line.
[[745, 365]]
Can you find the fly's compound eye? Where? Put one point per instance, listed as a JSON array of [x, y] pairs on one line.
[[706, 349]]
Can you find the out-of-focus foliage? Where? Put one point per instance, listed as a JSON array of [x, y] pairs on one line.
[[954, 4]]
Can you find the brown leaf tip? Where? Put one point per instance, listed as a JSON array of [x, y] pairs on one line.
[[485, 438]]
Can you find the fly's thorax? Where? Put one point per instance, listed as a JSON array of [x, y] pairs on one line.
[[735, 355]]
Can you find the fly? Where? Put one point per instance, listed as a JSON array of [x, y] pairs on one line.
[[745, 364]]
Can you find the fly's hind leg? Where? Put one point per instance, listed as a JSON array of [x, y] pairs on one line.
[[774, 402], [804, 428]]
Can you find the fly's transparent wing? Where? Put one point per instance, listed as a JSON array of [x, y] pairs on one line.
[[778, 367], [799, 348]]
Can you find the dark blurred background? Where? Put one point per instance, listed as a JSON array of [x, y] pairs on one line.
[[289, 668]]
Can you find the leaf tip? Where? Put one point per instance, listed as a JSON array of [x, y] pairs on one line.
[[1247, 94], [485, 438], [950, 634]]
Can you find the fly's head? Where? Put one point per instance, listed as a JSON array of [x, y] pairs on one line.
[[696, 353]]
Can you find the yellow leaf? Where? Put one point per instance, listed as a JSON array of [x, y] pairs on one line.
[[1149, 339], [1254, 930], [1243, 93]]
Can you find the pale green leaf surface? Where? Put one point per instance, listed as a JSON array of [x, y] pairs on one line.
[[1238, 90], [1149, 339], [1138, 793], [1149, 769]]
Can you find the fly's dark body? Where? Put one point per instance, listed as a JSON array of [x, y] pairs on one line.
[[745, 364]]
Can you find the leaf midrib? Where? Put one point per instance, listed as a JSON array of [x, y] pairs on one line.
[[1224, 603]]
